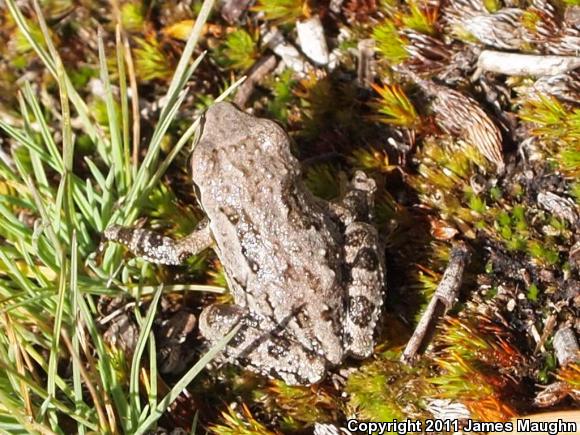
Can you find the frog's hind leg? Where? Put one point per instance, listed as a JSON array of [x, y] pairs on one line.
[[364, 264], [262, 347], [160, 249], [364, 288]]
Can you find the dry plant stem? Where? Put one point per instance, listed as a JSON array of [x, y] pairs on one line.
[[515, 64], [19, 363], [442, 301], [256, 74], [366, 62], [546, 333], [92, 391], [561, 207], [566, 346], [312, 40], [274, 39], [92, 364]]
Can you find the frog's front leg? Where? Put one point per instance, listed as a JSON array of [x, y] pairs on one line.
[[261, 346], [156, 248]]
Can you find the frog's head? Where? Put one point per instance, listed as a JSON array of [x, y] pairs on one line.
[[232, 137]]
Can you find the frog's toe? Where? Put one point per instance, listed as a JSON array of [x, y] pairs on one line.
[[307, 371], [217, 320], [287, 360]]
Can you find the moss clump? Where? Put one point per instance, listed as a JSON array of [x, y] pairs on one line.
[[387, 389]]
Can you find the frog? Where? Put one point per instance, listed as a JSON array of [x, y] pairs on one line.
[[306, 275]]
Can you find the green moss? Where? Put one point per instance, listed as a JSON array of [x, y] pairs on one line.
[[81, 76], [132, 16], [474, 351], [420, 19], [281, 88], [301, 406], [239, 422], [239, 50], [543, 253], [321, 180], [495, 193], [387, 389], [389, 43], [282, 11], [477, 204], [394, 107], [549, 365], [552, 119], [533, 292], [151, 62]]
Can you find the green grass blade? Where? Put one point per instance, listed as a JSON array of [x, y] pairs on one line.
[[152, 372], [44, 129], [136, 362], [48, 58], [181, 72], [125, 119], [117, 161], [76, 375], [23, 139], [55, 343]]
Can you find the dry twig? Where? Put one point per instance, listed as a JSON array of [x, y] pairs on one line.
[[442, 301]]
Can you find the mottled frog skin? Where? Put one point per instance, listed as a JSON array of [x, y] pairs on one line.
[[306, 275]]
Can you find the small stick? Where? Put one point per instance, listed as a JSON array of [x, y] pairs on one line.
[[442, 301], [548, 329], [514, 64], [366, 62], [289, 54], [257, 72]]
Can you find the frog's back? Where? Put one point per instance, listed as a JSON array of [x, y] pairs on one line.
[[278, 247]]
